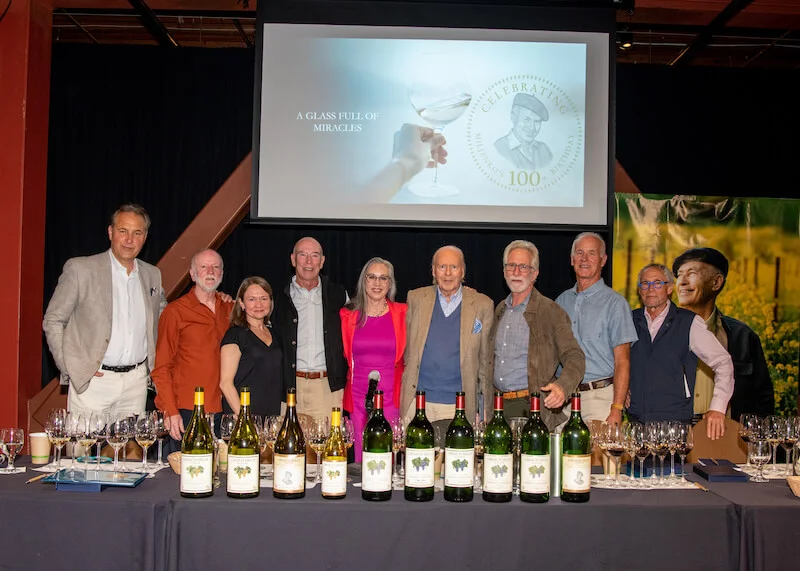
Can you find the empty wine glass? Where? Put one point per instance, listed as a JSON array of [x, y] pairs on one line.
[[160, 426], [516, 423], [773, 428], [316, 431], [479, 429], [673, 429], [226, 425], [685, 443], [130, 432], [788, 436], [12, 439], [118, 437], [759, 452], [348, 435], [100, 423], [56, 429], [659, 444], [145, 431], [398, 443], [747, 424]]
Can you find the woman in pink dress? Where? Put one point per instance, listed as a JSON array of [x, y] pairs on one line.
[[374, 336]]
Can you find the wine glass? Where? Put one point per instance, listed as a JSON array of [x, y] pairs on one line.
[[12, 439], [100, 424], [673, 428], [614, 439], [516, 423], [641, 449], [685, 443], [440, 92], [398, 443], [788, 439], [348, 435], [479, 429], [773, 427], [86, 438], [145, 431], [747, 423], [226, 426], [160, 426], [118, 437], [56, 429], [317, 428], [659, 445], [130, 432], [759, 452]]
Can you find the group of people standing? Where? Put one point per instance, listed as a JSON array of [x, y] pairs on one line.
[[108, 326]]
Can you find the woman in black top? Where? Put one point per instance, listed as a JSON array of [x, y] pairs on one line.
[[251, 355]]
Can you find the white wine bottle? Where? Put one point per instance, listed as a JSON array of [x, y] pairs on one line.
[[243, 453], [459, 455], [376, 460], [289, 459], [197, 450], [576, 458], [334, 460]]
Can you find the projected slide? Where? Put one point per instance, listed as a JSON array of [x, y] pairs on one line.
[[432, 128]]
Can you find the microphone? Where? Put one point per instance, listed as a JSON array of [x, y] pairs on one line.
[[369, 400]]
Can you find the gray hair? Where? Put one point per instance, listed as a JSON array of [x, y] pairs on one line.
[[359, 301], [583, 235], [194, 258], [523, 245], [458, 251], [133, 209], [668, 275]]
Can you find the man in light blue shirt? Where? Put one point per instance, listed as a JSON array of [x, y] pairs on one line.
[[603, 325]]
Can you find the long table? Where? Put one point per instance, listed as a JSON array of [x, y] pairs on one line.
[[732, 527]]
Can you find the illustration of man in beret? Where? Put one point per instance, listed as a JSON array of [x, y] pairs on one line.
[[700, 275], [520, 146]]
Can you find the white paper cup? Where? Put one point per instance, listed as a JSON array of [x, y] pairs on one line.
[[40, 448]]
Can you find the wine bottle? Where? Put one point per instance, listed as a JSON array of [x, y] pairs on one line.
[[498, 456], [334, 460], [419, 455], [289, 458], [376, 458], [534, 457], [576, 458], [459, 454], [243, 453], [197, 449]]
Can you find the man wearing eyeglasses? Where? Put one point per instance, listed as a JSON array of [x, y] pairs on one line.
[[447, 326], [603, 326], [701, 273], [306, 317], [664, 359], [531, 338]]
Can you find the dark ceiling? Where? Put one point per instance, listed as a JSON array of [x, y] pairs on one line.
[[763, 34]]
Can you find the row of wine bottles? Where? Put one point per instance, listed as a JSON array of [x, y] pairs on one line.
[[376, 485]]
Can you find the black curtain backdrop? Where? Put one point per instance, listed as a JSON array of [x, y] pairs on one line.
[[165, 128]]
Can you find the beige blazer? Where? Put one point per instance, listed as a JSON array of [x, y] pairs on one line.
[[77, 322], [477, 316]]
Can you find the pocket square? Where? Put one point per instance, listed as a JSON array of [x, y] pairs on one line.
[[153, 291], [477, 327]]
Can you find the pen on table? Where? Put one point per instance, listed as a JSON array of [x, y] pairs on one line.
[[35, 478], [701, 486]]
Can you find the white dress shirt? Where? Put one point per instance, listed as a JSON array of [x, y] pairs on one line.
[[128, 342], [310, 338], [708, 349]]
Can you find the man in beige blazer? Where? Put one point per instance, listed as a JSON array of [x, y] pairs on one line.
[[447, 340], [101, 322]]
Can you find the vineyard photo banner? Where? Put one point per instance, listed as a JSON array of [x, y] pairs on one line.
[[761, 239]]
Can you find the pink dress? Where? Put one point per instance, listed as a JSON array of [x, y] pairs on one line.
[[374, 348]]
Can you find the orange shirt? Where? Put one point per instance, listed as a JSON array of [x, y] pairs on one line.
[[187, 353]]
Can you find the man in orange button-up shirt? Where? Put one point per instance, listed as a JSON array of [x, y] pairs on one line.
[[187, 352]]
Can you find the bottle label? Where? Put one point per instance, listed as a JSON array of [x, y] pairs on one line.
[[498, 473], [196, 473], [419, 467], [334, 477], [460, 467], [243, 473], [576, 473], [376, 471], [534, 474], [289, 473]]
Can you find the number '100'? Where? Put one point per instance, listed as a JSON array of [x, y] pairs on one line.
[[525, 178]]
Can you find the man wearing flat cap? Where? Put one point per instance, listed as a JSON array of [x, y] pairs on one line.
[[520, 146], [701, 274]]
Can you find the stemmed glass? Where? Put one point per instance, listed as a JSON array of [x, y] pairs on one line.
[[318, 428], [658, 442], [12, 439], [72, 418], [398, 443], [145, 430], [56, 429], [100, 424], [597, 431], [684, 445], [86, 438], [226, 426], [516, 423], [788, 439], [641, 449], [269, 434], [774, 426], [130, 432], [348, 434], [747, 424], [673, 433], [479, 429], [614, 440], [160, 426], [759, 452], [118, 437]]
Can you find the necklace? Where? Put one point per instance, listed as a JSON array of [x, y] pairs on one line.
[[382, 310]]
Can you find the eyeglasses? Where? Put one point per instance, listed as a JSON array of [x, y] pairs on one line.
[[372, 278], [658, 284], [523, 268]]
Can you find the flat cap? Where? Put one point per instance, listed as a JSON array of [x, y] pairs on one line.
[[531, 102], [708, 256]]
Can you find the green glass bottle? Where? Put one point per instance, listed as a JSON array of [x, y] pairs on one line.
[[376, 457], [576, 457], [243, 453], [535, 457], [498, 456], [419, 455], [459, 456], [197, 453], [289, 459]]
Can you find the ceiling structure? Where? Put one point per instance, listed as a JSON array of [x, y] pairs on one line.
[[758, 34]]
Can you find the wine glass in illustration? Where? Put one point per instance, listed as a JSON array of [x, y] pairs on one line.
[[440, 92]]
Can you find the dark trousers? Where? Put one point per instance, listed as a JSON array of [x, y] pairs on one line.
[[172, 445]]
